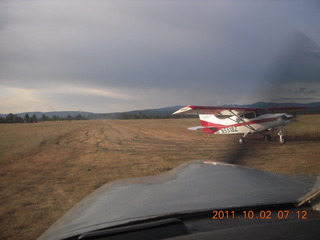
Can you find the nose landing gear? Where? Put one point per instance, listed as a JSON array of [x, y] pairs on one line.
[[282, 139]]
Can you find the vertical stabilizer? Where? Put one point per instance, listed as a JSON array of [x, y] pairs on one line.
[[209, 122]]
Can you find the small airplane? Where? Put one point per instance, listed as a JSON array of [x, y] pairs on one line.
[[241, 120]]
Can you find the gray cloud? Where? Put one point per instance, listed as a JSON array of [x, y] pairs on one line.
[[304, 91], [154, 52]]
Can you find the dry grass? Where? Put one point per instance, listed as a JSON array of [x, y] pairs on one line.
[[17, 140], [46, 168], [305, 126]]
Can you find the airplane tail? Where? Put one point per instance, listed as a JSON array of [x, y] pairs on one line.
[[209, 123]]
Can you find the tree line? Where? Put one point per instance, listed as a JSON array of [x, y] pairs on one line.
[[14, 118]]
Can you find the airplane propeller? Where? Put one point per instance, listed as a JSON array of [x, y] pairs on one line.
[[288, 117]]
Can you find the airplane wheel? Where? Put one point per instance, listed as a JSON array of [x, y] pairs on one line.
[[267, 138], [282, 140], [242, 140]]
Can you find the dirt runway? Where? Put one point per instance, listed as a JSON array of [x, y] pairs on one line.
[[40, 186]]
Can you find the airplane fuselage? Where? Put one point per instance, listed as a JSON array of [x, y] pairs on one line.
[[237, 125]]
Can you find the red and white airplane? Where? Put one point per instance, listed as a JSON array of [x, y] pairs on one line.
[[241, 120]]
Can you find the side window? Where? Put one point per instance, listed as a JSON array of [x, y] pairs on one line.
[[250, 115], [223, 116]]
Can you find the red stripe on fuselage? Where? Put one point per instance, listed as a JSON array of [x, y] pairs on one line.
[[214, 127]]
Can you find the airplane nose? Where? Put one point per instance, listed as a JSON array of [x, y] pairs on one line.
[[287, 117]]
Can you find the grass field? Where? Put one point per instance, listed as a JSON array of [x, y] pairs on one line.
[[47, 167]]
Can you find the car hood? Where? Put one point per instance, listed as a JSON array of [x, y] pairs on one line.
[[191, 187]]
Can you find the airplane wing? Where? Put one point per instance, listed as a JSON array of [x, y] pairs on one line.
[[285, 109], [214, 110], [231, 110]]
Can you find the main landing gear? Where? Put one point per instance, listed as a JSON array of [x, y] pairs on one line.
[[267, 137], [243, 140]]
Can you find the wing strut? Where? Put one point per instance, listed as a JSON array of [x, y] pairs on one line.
[[243, 121], [242, 139]]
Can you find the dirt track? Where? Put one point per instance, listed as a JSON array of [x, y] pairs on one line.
[[38, 188]]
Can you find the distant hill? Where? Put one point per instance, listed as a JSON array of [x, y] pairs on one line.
[[160, 112], [312, 107], [271, 104], [91, 115], [148, 113], [166, 112]]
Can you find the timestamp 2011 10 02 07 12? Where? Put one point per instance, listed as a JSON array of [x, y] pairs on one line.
[[261, 214]]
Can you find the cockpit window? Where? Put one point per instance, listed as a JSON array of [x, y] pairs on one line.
[[260, 112]]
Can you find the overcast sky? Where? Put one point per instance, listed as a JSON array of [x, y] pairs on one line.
[[110, 56]]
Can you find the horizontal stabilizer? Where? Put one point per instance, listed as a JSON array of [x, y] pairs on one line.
[[196, 128], [202, 127]]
